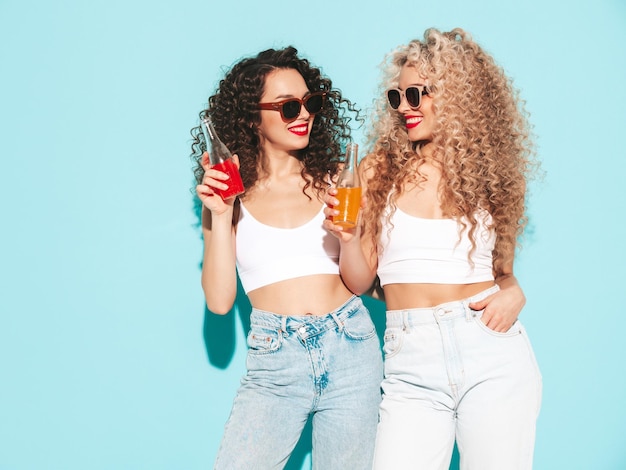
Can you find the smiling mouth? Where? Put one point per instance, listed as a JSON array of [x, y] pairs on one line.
[[300, 130], [413, 121]]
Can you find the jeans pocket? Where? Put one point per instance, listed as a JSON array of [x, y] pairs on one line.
[[263, 340], [515, 329], [360, 326], [393, 340]]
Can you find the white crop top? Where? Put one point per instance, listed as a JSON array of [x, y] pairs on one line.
[[434, 251], [266, 254]]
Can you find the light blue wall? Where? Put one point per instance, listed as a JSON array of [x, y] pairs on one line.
[[108, 359]]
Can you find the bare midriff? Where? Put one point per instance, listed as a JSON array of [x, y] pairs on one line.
[[309, 295], [406, 296]]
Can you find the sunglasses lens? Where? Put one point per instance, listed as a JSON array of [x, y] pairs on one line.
[[394, 98], [413, 96], [291, 109], [313, 103]]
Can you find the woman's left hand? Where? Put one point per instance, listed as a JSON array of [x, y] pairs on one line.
[[502, 308]]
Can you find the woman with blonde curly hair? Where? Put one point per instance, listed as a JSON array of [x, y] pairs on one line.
[[445, 204], [312, 346]]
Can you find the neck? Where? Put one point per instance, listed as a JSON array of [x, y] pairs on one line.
[[279, 165], [427, 151]]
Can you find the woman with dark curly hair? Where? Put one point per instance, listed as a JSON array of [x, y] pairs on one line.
[[445, 204], [312, 346]]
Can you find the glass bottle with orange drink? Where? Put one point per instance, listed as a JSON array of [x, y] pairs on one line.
[[348, 190], [221, 159]]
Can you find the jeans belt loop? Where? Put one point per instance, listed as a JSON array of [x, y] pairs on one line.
[[469, 313], [405, 320], [337, 320]]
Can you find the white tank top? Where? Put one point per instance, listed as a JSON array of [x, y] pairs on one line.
[[266, 254], [434, 251]]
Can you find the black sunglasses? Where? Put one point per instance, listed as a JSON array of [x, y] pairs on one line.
[[290, 108], [413, 95]]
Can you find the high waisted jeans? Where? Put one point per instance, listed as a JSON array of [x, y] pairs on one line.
[[329, 367], [448, 377]]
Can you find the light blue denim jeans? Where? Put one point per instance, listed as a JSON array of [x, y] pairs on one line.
[[327, 366], [449, 377]]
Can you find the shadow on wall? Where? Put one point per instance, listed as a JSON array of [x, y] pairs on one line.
[[219, 330]]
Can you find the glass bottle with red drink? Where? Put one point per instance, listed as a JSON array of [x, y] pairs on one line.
[[221, 159]]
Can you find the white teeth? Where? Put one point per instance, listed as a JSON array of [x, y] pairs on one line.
[[414, 120], [299, 129]]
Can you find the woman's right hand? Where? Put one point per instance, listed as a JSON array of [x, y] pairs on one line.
[[214, 179]]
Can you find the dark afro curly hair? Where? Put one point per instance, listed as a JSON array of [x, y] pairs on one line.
[[235, 115]]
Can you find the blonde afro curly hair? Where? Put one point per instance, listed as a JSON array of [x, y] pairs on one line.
[[482, 140]]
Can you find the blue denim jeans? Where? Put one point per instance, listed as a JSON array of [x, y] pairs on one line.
[[449, 377], [327, 366]]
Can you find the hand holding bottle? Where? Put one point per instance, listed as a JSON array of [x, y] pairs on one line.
[[212, 182], [221, 160], [348, 190]]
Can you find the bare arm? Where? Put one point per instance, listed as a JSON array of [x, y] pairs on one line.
[[357, 258], [219, 274], [358, 270]]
